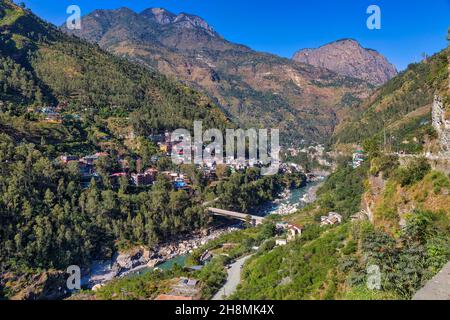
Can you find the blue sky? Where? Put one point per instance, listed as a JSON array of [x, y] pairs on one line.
[[409, 28]]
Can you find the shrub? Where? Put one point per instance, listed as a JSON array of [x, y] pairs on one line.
[[267, 245], [385, 164], [440, 181], [350, 248], [413, 172]]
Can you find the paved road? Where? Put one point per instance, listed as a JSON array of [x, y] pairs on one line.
[[234, 277], [437, 288], [424, 155]]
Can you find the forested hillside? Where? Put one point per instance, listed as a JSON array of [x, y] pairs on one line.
[[402, 107], [396, 211], [41, 66], [49, 221]]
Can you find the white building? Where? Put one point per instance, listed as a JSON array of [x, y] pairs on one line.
[[281, 242], [332, 219]]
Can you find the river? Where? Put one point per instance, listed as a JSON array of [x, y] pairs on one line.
[[291, 201], [167, 265]]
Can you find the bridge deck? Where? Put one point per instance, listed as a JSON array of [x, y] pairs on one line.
[[238, 215]]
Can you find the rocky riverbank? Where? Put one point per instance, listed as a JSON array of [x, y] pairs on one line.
[[140, 258], [291, 200], [311, 194]]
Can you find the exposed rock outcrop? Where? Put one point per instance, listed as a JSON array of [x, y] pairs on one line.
[[49, 285], [348, 57], [442, 125]]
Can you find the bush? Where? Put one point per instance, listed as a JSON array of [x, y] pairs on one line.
[[268, 245], [440, 181], [413, 172], [384, 164], [342, 191], [268, 230]]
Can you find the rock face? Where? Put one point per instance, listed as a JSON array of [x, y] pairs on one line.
[[442, 125], [349, 58], [48, 285]]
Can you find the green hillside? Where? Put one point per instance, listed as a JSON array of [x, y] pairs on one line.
[[331, 262], [401, 210], [50, 218], [39, 65], [402, 106]]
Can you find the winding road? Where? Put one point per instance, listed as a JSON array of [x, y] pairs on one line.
[[234, 277]]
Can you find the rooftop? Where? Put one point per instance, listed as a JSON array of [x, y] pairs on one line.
[[173, 298]]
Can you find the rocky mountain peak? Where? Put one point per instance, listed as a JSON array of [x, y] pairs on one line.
[[254, 88], [193, 22], [183, 20], [123, 11], [159, 15], [348, 57]]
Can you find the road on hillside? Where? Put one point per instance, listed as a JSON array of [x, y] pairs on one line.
[[437, 288], [234, 278]]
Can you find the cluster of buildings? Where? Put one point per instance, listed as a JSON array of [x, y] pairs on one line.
[[143, 179], [315, 153], [332, 218], [53, 114], [163, 141], [86, 167], [209, 165], [179, 180], [357, 159]]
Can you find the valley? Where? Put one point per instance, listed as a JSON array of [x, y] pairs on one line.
[[255, 89], [88, 176]]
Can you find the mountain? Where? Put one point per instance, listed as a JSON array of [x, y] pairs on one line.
[[256, 89], [401, 108], [349, 58], [40, 65]]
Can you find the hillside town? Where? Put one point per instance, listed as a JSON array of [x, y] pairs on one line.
[[145, 177]]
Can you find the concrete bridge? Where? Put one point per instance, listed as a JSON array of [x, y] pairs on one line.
[[255, 220]]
